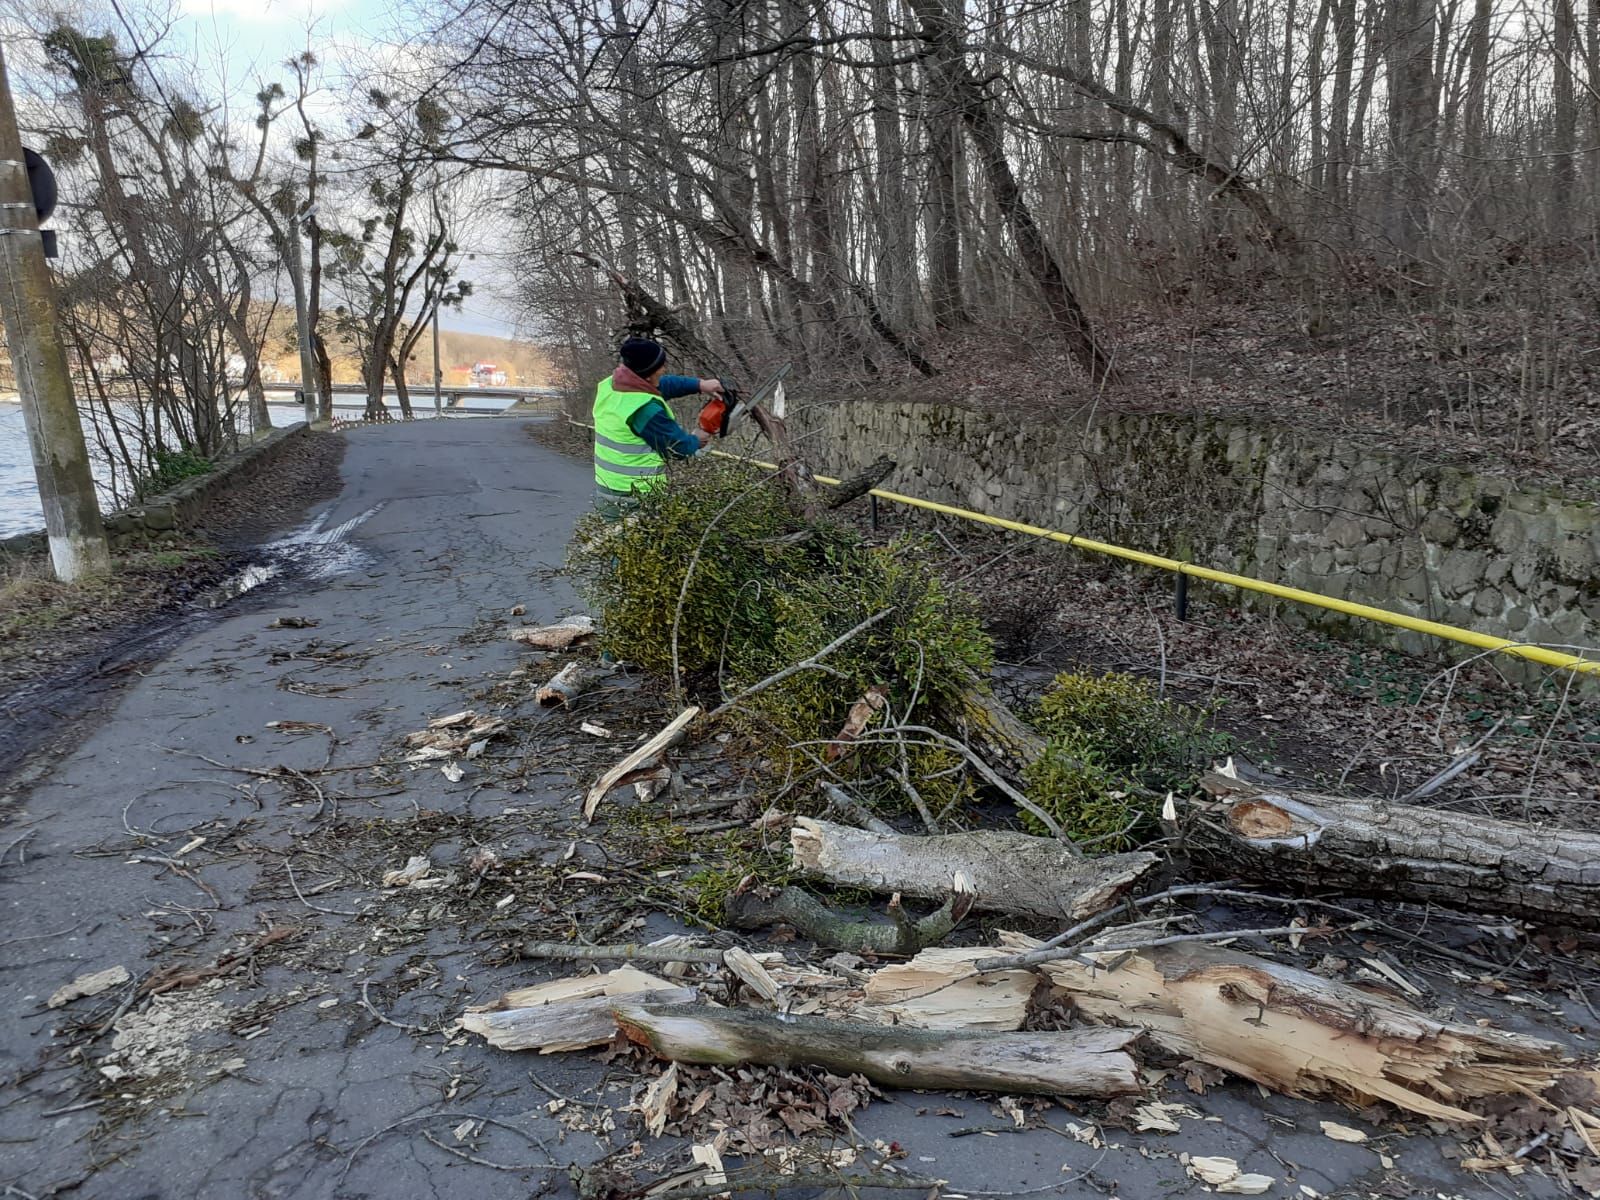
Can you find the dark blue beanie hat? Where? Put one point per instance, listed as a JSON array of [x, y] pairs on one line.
[[642, 356]]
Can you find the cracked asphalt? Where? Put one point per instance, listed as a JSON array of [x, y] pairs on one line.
[[316, 1067]]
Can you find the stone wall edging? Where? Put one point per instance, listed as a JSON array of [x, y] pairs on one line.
[[1469, 549], [180, 507]]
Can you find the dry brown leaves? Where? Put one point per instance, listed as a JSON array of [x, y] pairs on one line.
[[754, 1109]]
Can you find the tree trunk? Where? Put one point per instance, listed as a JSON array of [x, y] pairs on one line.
[[988, 139], [942, 228], [372, 372], [1410, 37], [1564, 163], [397, 372], [1011, 872], [1398, 852], [996, 734], [1299, 1033], [1077, 1062], [1339, 133]]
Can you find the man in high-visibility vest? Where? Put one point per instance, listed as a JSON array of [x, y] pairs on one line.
[[635, 432]]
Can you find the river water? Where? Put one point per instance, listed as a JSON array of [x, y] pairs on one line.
[[19, 494]]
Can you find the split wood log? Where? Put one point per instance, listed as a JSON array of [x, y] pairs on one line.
[[565, 1025], [566, 685], [640, 757], [747, 908], [1011, 872], [565, 633], [938, 989], [1397, 852], [1299, 1033], [1078, 1062]]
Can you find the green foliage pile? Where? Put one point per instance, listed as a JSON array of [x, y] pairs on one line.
[[1114, 748], [769, 589], [168, 468]]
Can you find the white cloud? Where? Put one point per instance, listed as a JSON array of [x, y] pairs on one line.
[[289, 13]]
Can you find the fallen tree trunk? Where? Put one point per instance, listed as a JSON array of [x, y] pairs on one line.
[[1011, 872], [859, 485], [1299, 1033], [1397, 852], [1078, 1062], [996, 734]]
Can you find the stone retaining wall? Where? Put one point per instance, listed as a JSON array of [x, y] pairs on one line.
[[180, 508], [1472, 550]]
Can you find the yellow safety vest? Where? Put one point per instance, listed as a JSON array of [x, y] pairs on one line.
[[623, 461]]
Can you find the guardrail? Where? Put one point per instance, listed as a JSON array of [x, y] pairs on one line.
[[1185, 571]]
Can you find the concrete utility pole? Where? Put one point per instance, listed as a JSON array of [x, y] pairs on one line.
[[302, 318], [438, 400], [78, 547]]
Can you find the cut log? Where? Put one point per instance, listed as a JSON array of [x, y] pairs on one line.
[[1078, 1062], [1302, 1034], [1012, 872], [939, 989], [565, 633], [638, 758], [749, 908], [566, 685], [564, 1025], [1396, 852]]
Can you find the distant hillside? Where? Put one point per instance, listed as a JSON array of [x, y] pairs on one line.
[[524, 363]]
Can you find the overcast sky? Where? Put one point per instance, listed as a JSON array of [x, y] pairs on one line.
[[239, 44]]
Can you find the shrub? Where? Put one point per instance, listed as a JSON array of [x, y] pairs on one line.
[[770, 588], [168, 468], [1113, 747]]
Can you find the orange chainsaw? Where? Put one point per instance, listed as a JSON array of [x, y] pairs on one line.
[[720, 412]]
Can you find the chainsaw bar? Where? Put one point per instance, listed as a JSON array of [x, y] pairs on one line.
[[738, 405]]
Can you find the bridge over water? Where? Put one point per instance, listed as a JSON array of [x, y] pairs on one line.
[[531, 400]]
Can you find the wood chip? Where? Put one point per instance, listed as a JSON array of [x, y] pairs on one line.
[[657, 1101], [707, 1156], [743, 964], [636, 759], [416, 867], [569, 631], [938, 989], [1342, 1133], [1393, 976], [91, 984]]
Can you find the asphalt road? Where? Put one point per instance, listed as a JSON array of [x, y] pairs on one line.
[[322, 1065]]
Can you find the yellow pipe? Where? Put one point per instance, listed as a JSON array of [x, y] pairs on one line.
[[1469, 637], [1538, 654]]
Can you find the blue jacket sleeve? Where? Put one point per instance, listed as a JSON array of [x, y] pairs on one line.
[[675, 387], [661, 433]]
